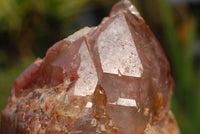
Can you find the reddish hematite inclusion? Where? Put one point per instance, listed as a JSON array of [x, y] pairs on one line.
[[109, 79]]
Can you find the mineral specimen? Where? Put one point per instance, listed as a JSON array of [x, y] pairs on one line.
[[109, 79]]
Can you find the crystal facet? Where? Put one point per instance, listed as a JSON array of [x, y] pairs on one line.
[[109, 79]]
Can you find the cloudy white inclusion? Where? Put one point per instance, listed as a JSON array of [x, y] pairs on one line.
[[125, 102], [87, 81], [88, 105], [117, 50]]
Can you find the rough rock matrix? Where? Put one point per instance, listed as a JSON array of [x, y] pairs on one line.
[[109, 79]]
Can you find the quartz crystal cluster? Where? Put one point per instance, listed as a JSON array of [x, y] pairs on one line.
[[109, 79]]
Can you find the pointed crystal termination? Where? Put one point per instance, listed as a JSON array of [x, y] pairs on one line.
[[110, 79]]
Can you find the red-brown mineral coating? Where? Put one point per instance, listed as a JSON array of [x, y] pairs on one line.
[[110, 79]]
